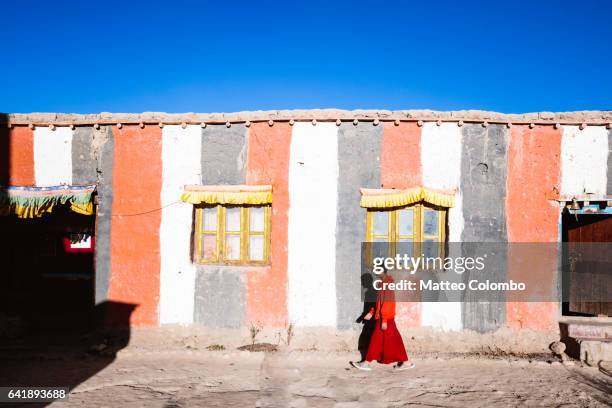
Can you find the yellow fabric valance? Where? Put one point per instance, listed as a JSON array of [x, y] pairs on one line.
[[34, 202], [237, 195], [387, 197]]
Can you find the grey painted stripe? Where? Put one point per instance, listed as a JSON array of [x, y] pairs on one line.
[[359, 150], [483, 186], [83, 160], [104, 153], [220, 298], [609, 186], [224, 154]]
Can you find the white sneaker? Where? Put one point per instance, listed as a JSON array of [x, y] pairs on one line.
[[361, 365], [403, 366]]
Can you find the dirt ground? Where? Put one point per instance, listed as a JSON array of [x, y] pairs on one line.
[[186, 377], [195, 367], [310, 379]]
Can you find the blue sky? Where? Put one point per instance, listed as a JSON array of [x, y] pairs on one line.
[[204, 56]]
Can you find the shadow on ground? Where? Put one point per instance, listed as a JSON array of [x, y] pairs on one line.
[[63, 357]]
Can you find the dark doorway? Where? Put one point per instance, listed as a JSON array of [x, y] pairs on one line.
[[47, 279], [587, 277]]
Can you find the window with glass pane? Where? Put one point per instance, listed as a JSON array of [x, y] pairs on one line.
[[233, 234], [430, 223], [431, 232], [210, 218], [405, 232], [257, 233], [405, 224], [413, 228], [380, 227]]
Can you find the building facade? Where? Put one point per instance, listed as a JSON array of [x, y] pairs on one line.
[[224, 220]]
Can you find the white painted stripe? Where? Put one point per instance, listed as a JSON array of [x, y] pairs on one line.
[[52, 156], [181, 160], [441, 155], [313, 195], [584, 157], [441, 161]]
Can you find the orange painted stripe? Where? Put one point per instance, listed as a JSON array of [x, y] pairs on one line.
[[135, 253], [268, 163], [533, 173], [400, 161], [400, 167], [17, 156]]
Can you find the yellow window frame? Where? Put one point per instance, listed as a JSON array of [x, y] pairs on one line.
[[418, 235], [221, 234]]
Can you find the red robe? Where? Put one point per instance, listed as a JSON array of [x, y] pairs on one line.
[[386, 346]]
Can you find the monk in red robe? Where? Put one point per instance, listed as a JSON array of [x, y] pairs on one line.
[[386, 345]]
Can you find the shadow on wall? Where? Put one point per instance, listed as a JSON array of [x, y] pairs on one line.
[[369, 303], [65, 358]]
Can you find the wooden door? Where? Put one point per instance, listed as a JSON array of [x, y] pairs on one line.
[[589, 277]]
